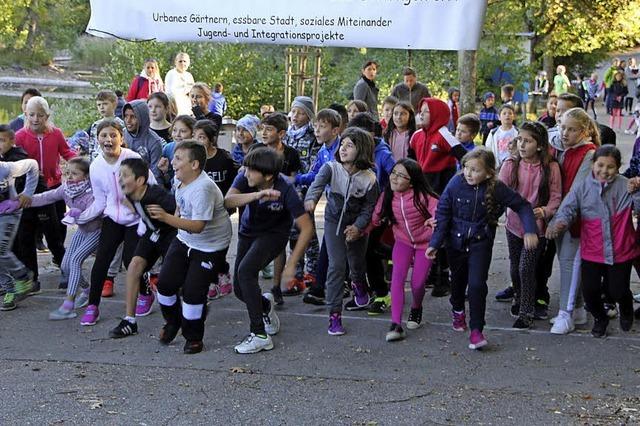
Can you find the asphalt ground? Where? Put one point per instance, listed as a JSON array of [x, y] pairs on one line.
[[64, 373]]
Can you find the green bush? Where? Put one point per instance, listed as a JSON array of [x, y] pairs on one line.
[[71, 115]]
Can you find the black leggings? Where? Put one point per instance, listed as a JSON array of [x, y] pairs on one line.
[[254, 254], [111, 235], [628, 104], [24, 245], [616, 277]]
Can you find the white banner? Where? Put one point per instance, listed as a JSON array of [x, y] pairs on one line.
[[399, 24]]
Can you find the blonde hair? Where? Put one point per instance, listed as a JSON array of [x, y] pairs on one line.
[[560, 69], [585, 122], [182, 55], [39, 102]]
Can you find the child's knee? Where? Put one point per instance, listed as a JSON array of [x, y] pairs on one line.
[[136, 266]]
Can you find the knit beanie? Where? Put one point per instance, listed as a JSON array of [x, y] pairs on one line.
[[487, 96], [306, 104], [249, 123]]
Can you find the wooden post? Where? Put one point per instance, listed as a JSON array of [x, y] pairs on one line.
[[287, 77], [316, 79]]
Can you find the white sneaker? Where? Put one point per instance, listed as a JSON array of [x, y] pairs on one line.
[[563, 324], [50, 267], [253, 344], [580, 316], [611, 309], [553, 320], [637, 297], [270, 319]]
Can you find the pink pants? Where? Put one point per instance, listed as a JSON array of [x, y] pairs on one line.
[[402, 256]]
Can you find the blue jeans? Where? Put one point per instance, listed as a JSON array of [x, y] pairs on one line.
[[470, 268]]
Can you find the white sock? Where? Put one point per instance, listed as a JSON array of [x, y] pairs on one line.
[[132, 320]]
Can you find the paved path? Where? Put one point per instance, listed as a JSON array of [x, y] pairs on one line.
[[62, 373]]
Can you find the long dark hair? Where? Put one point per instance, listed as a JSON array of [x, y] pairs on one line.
[[539, 133], [411, 125], [421, 190]]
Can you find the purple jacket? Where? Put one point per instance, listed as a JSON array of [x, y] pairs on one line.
[[80, 202]]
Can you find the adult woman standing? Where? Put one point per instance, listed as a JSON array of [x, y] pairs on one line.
[[365, 89], [178, 83], [147, 82]]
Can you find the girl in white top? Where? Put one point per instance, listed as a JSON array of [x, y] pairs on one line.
[[178, 83]]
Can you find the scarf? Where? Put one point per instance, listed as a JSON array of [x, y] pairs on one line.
[[297, 134], [74, 189]]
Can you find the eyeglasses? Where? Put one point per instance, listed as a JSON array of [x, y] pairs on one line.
[[399, 175]]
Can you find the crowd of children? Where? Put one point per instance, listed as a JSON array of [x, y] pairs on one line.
[[152, 191]]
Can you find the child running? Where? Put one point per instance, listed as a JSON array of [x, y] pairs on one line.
[[155, 237], [119, 221], [467, 218], [535, 175], [604, 206], [409, 205], [78, 196], [197, 251], [350, 204], [18, 282], [272, 204]]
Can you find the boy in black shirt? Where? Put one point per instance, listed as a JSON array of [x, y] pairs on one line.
[[153, 243]]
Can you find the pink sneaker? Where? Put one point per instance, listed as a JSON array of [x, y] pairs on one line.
[[143, 307], [224, 284], [477, 340], [91, 315], [459, 321], [214, 292]]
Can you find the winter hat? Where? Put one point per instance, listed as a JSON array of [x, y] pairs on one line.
[[487, 96], [249, 123], [306, 104]]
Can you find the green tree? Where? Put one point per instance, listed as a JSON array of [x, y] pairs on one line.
[[32, 30]]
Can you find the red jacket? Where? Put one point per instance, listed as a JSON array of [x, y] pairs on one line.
[[433, 152], [46, 152]]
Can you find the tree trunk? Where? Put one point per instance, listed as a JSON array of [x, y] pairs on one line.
[[467, 61], [547, 65]]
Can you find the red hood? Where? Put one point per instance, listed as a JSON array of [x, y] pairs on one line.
[[439, 114]]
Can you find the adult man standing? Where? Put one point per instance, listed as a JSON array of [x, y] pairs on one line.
[[411, 90]]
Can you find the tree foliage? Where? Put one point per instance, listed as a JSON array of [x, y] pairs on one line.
[[32, 30]]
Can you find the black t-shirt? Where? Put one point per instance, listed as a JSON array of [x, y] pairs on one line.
[[292, 163], [269, 217], [163, 133], [221, 169], [155, 194]]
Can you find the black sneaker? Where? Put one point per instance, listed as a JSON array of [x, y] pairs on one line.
[[637, 313], [314, 296], [505, 295], [415, 318], [193, 347], [351, 306], [277, 295], [35, 288], [540, 311], [168, 333], [626, 322], [347, 291], [600, 327], [124, 329], [440, 291], [515, 310], [522, 323], [379, 305]]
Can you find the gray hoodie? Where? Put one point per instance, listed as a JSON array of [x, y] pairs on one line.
[[145, 141]]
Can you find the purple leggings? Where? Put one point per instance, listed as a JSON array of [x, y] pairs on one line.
[[402, 256]]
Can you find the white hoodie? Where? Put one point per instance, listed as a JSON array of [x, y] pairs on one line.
[[107, 193]]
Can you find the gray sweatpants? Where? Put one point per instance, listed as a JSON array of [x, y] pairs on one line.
[[11, 268], [339, 249], [569, 261]]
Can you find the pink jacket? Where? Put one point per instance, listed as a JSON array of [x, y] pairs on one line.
[[46, 152], [529, 176], [605, 214], [409, 227]]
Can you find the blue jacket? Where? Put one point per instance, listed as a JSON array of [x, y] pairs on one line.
[[384, 162], [324, 156], [462, 214], [238, 154]]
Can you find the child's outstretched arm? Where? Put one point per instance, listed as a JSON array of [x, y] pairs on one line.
[[48, 197], [19, 168], [304, 224], [569, 210], [315, 190], [444, 214]]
